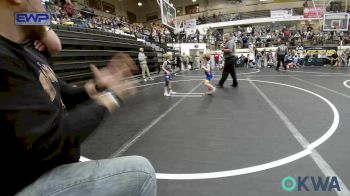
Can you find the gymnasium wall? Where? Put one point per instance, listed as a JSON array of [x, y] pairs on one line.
[[217, 6]]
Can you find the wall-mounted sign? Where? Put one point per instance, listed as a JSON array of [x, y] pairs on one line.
[[314, 12], [281, 13]]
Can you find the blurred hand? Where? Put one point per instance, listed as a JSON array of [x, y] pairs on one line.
[[39, 45], [115, 75], [50, 42]]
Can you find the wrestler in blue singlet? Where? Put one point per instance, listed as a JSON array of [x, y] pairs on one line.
[[209, 75], [167, 66]]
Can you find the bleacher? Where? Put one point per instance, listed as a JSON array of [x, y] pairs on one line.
[[82, 47]]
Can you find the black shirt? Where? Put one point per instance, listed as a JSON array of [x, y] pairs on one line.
[[41, 123], [309, 28]]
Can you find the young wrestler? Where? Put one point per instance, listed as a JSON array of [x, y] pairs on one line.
[[167, 74], [208, 74]]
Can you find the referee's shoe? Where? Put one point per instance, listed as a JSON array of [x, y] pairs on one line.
[[219, 85]]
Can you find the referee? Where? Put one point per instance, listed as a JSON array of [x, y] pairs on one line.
[[230, 61]]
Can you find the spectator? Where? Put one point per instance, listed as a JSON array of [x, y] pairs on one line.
[[258, 57], [185, 61], [216, 60], [245, 41], [179, 62], [197, 34], [245, 60], [286, 34], [296, 61], [219, 17], [264, 58], [309, 28], [288, 61], [268, 39], [343, 60], [143, 64], [251, 57], [69, 8], [334, 60], [270, 59], [249, 30]]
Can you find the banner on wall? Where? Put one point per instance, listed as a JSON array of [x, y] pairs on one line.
[[179, 26], [314, 12], [191, 24], [327, 51], [281, 13]]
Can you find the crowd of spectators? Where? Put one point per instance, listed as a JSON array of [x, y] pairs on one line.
[[245, 37], [267, 36], [294, 58], [263, 59], [68, 14]]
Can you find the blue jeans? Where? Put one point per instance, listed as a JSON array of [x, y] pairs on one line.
[[124, 176]]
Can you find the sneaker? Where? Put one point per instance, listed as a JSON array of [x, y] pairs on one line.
[[145, 80], [166, 95], [234, 85], [211, 91], [151, 79], [172, 92]]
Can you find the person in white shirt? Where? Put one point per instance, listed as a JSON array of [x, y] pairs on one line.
[[249, 30], [143, 64], [234, 38]]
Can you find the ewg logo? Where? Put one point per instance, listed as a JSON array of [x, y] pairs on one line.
[[318, 183]]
